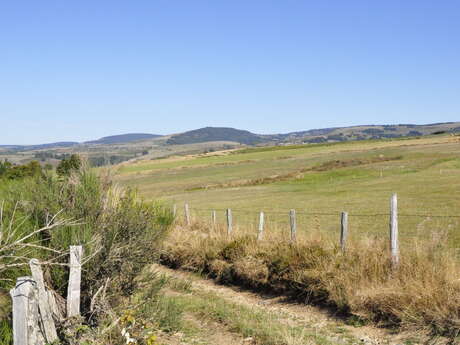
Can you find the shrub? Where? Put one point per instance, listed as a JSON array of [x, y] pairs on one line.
[[120, 233]]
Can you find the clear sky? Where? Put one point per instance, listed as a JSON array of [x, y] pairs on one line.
[[79, 70]]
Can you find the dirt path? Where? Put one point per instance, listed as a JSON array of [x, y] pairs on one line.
[[310, 318]]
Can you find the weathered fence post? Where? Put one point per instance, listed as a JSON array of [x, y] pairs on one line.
[[229, 222], [213, 217], [174, 210], [187, 214], [73, 289], [343, 230], [394, 230], [26, 329], [43, 302], [293, 226], [260, 234]]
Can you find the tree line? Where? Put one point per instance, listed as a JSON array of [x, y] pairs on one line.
[[11, 171]]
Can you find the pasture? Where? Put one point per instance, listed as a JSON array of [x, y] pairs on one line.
[[318, 181]]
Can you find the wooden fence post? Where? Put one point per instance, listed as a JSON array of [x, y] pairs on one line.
[[187, 214], [293, 226], [229, 222], [174, 210], [26, 329], [343, 230], [394, 230], [43, 302], [73, 289], [260, 234], [213, 217]]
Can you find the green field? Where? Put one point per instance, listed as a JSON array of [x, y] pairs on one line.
[[319, 181]]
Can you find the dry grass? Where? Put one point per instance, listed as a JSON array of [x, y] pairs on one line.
[[424, 293]]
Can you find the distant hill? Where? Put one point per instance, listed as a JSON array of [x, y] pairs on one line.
[[40, 146], [364, 132], [113, 139], [123, 138], [216, 134], [320, 135], [220, 134]]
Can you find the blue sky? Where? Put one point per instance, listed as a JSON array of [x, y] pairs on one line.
[[79, 70]]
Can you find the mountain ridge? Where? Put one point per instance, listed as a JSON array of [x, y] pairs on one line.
[[229, 134]]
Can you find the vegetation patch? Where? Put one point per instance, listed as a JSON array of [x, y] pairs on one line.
[[422, 293], [42, 215], [297, 174]]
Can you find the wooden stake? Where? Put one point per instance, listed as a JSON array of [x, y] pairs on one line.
[[73, 289], [343, 230], [43, 302], [26, 329], [174, 210], [260, 234], [229, 222], [394, 245], [213, 217], [293, 226], [187, 214]]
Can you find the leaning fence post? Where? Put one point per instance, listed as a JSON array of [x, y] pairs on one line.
[[73, 290], [229, 222], [213, 217], [293, 225], [26, 328], [43, 302], [394, 230], [343, 230], [187, 214], [260, 234]]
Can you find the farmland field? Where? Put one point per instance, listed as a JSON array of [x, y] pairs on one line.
[[319, 181]]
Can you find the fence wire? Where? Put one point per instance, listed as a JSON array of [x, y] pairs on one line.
[[411, 226]]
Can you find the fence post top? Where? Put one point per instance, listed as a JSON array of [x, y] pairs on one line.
[[24, 279], [34, 262], [20, 282]]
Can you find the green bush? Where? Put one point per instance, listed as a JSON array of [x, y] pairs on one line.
[[119, 232]]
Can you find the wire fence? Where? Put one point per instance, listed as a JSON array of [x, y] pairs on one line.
[[411, 226]]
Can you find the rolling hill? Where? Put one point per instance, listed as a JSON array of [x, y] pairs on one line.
[[123, 138], [216, 134], [332, 134]]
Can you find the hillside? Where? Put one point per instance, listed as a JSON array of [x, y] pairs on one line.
[[40, 146], [216, 134], [364, 132], [320, 181], [332, 134], [123, 138]]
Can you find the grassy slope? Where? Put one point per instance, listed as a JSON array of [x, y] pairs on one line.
[[425, 179]]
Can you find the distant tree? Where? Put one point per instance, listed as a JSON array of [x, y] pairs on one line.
[[12, 172], [4, 167], [67, 165]]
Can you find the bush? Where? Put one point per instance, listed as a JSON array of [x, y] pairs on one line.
[[120, 233]]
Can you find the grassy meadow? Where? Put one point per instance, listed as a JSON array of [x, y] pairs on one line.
[[319, 181]]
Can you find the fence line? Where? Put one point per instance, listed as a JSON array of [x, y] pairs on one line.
[[291, 219], [330, 213]]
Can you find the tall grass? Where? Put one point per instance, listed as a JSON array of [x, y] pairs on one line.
[[423, 293]]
